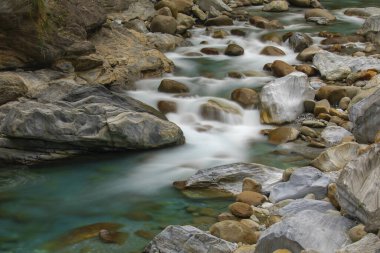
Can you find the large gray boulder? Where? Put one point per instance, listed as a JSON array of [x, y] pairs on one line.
[[335, 158], [300, 205], [368, 244], [183, 239], [364, 116], [302, 182], [86, 119], [335, 67], [333, 135], [358, 188], [228, 179], [208, 5], [282, 99], [323, 232]]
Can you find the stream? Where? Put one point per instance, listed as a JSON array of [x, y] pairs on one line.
[[39, 205]]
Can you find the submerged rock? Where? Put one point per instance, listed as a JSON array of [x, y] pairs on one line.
[[87, 119], [282, 99], [358, 188], [183, 239], [227, 179], [335, 158], [335, 67], [364, 116], [302, 182], [323, 232]]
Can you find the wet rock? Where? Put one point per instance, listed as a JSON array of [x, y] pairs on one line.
[[167, 106], [218, 110], [358, 191], [335, 158], [272, 51], [276, 6], [307, 69], [184, 22], [11, 87], [250, 198], [241, 210], [188, 239], [308, 53], [234, 50], [300, 3], [246, 97], [333, 135], [334, 67], [335, 93], [163, 24], [282, 135], [369, 244], [307, 131], [363, 116], [228, 179], [282, 99], [319, 13], [264, 23], [300, 41], [281, 68], [300, 205], [96, 119], [233, 231], [250, 184], [210, 51], [172, 86], [293, 233], [219, 21], [309, 105], [236, 75], [362, 12], [220, 34], [238, 32], [302, 182]]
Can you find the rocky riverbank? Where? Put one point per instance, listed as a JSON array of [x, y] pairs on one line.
[[330, 102]]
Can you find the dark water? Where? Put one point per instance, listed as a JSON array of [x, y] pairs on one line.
[[38, 206]]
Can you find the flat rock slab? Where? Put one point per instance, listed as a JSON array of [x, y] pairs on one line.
[[303, 181], [323, 232], [300, 205], [229, 178], [184, 239]]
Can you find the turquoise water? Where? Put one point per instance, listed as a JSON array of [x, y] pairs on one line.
[[38, 206]]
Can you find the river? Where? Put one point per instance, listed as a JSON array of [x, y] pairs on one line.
[[40, 204]]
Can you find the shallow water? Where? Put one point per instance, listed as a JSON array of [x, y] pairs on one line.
[[39, 205]]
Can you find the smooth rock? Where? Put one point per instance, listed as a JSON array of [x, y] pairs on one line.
[[250, 198], [357, 233], [183, 239], [234, 50], [307, 131], [172, 86], [167, 106], [240, 209], [272, 51], [300, 41], [219, 110], [233, 231], [300, 205], [335, 67], [265, 23], [369, 244], [359, 188], [308, 53], [333, 135], [281, 68], [332, 195], [335, 158], [250, 184], [228, 178], [302, 182], [208, 5], [246, 97], [322, 106], [282, 99], [307, 69], [364, 117], [163, 24], [306, 230], [219, 21], [362, 12], [276, 6], [319, 13], [344, 103], [282, 135]]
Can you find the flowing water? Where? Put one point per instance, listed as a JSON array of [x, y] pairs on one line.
[[38, 206]]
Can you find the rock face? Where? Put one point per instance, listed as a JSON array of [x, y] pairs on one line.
[[369, 244], [363, 116], [282, 99], [358, 188], [229, 178], [11, 87], [306, 230], [335, 158], [334, 67], [302, 182], [183, 239], [86, 119], [333, 135]]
